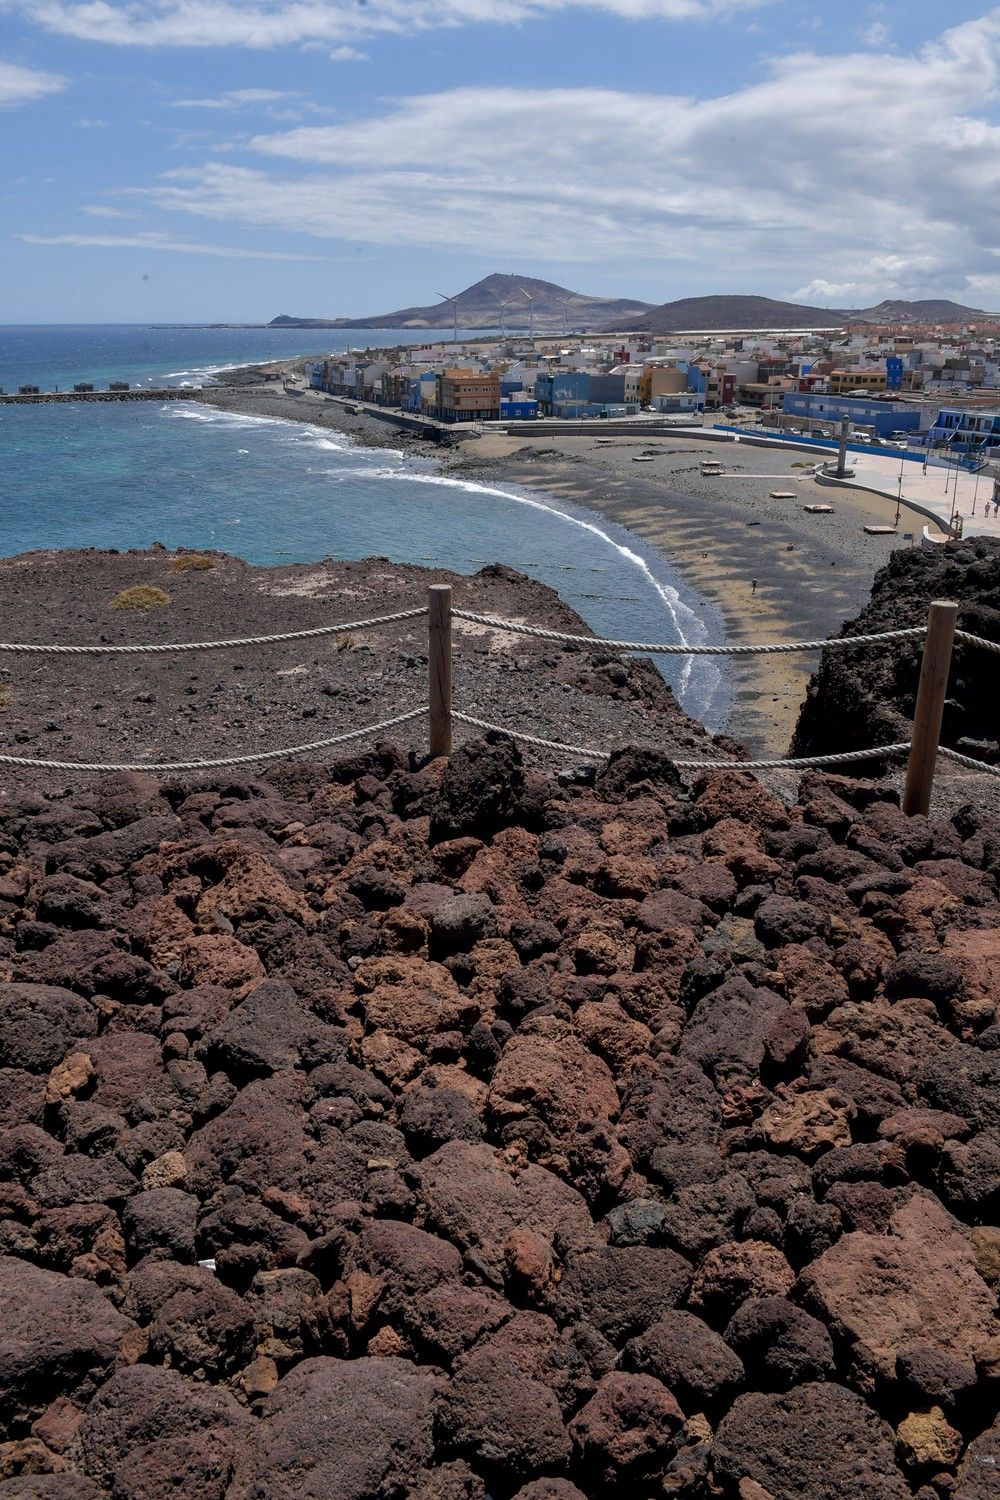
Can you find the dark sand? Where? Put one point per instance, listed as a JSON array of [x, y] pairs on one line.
[[812, 571]]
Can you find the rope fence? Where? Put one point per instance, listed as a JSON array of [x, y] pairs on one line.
[[215, 765], [160, 648], [939, 635], [660, 648]]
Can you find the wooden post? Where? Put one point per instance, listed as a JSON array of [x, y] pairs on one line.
[[439, 667], [927, 715]]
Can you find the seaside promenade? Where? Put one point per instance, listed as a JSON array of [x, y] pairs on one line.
[[938, 492]]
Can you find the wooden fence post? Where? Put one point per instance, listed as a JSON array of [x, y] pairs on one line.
[[439, 667], [931, 693]]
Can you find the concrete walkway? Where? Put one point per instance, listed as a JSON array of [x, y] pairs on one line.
[[935, 494]]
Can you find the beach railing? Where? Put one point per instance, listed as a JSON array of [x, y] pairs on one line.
[[923, 749]]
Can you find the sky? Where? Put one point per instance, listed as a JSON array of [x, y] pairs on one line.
[[230, 160]]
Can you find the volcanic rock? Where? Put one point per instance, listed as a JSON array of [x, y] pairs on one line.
[[818, 1440], [60, 1337], [918, 1284]]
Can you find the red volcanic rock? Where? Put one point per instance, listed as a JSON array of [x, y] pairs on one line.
[[370, 1131], [412, 999], [216, 958], [735, 1271], [917, 1284], [546, 1074], [627, 1431], [472, 1200]]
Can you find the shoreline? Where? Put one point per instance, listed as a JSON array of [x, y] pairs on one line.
[[719, 533]]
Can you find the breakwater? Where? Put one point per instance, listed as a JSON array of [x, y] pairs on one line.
[[50, 398]]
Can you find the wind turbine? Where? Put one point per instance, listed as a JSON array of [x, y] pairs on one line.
[[565, 302], [502, 307], [531, 312], [454, 309]]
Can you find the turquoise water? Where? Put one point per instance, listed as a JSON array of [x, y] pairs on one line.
[[58, 357], [271, 491]]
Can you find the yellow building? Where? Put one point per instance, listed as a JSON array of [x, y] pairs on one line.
[[843, 382], [660, 380]]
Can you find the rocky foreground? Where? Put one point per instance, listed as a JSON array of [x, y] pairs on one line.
[[396, 1131]]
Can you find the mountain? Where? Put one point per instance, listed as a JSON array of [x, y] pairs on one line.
[[695, 314], [699, 314], [934, 310], [555, 308]]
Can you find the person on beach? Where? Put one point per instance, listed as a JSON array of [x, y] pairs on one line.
[[753, 585]]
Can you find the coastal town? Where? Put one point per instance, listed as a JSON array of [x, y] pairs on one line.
[[930, 387]]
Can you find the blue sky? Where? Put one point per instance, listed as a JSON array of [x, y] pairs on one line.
[[186, 160]]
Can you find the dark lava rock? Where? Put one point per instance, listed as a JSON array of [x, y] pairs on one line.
[[38, 1024], [461, 921], [480, 789], [977, 1474], [689, 1358], [818, 1441], [780, 1343], [60, 1336], [152, 1433], [500, 1418], [638, 1222], [431, 1117], [341, 1429], [161, 1220], [271, 1029], [65, 1486], [621, 1291], [965, 1081]]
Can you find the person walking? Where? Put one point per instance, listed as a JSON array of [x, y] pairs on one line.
[[753, 585]]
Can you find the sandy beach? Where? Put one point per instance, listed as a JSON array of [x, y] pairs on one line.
[[721, 532]]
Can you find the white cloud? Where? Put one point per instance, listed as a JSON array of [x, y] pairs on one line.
[[869, 171], [876, 35], [157, 241], [23, 85], [277, 23], [235, 99]]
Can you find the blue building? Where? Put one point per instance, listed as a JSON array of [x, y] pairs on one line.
[[559, 387], [967, 431], [893, 373], [883, 417], [518, 408]]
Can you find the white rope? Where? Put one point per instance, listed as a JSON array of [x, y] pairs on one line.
[[661, 649], [529, 739], [808, 762], [976, 640], [846, 757], [213, 765], [250, 640], [968, 760]]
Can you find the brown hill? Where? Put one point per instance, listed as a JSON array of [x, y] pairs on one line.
[[697, 314], [479, 306]]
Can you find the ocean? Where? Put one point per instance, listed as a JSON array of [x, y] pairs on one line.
[[272, 491]]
